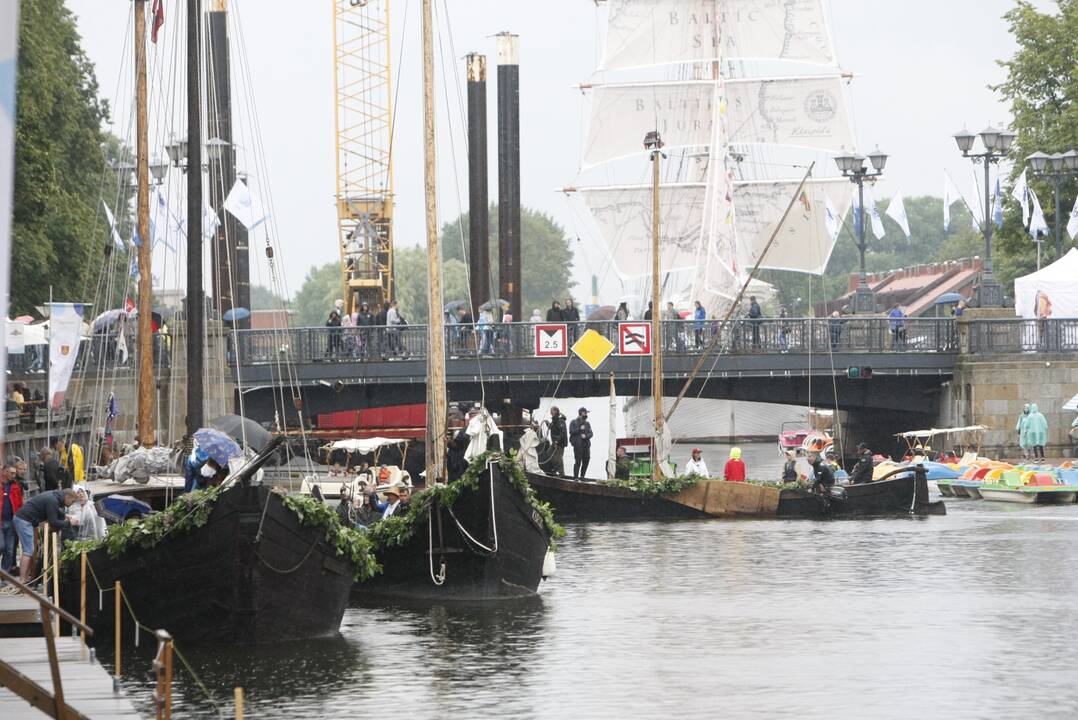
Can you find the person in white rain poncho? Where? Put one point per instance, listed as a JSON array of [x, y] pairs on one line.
[[480, 427], [529, 449], [85, 511]]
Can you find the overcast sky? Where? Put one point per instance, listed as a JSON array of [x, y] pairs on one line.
[[923, 68]]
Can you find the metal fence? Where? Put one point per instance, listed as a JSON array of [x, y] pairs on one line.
[[683, 337], [1018, 335]]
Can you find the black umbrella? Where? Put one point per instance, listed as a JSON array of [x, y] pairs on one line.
[[235, 427], [454, 305], [603, 312], [503, 304]]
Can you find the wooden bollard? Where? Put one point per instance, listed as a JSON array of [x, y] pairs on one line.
[[119, 600], [239, 703], [82, 602]]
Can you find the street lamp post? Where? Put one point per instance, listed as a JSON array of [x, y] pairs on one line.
[[1056, 169], [853, 167], [996, 144]]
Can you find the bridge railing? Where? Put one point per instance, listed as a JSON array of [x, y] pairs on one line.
[[1018, 335], [682, 337]]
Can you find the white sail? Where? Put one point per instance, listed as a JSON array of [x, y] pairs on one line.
[[659, 32], [806, 112]]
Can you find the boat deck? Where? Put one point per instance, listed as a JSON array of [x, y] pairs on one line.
[[87, 687]]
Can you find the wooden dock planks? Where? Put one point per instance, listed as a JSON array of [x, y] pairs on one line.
[[87, 686]]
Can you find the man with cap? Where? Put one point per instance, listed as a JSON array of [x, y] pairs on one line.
[[559, 438], [696, 466], [862, 471], [580, 435]]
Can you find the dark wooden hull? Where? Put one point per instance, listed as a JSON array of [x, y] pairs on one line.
[[223, 583], [584, 500], [898, 496], [508, 525]]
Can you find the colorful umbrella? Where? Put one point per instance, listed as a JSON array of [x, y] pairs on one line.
[[237, 313], [219, 446]]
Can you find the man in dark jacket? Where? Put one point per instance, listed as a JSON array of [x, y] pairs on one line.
[[554, 314], [47, 507], [756, 314], [559, 439], [52, 475], [862, 471], [571, 315], [580, 435], [824, 477]]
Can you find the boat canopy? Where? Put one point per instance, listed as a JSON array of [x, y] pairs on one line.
[[932, 432], [363, 445]]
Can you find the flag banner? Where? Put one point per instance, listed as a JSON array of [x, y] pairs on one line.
[[210, 221], [896, 210], [831, 219], [1072, 223], [874, 215], [161, 220], [997, 205], [1037, 223], [158, 11], [1020, 192], [65, 332], [121, 343], [950, 196], [9, 55], [116, 239], [245, 207]]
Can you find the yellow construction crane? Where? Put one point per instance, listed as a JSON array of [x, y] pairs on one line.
[[364, 123]]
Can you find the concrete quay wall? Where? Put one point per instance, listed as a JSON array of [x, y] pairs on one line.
[[991, 390]]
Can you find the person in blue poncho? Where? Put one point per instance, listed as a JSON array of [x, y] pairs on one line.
[[199, 470], [1036, 430], [1020, 428]]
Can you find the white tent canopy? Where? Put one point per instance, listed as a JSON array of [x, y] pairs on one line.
[[363, 445], [1051, 292]]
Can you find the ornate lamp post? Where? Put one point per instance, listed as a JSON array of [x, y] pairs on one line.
[[1056, 169], [853, 167], [996, 144]]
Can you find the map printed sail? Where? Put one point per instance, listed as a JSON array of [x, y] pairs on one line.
[[658, 32], [806, 112]]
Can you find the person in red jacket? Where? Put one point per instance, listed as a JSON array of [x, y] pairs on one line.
[[10, 502], [735, 467]]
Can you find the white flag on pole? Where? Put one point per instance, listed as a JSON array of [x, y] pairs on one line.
[[832, 221], [112, 226], [161, 220], [874, 215], [1072, 223], [210, 221], [121, 343], [950, 196], [896, 210], [1020, 192], [65, 330], [976, 210], [1037, 223], [245, 207]]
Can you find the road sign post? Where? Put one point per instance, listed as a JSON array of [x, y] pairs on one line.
[[634, 338], [550, 340]]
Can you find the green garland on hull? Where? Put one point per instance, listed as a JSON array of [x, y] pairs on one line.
[[674, 485], [397, 530]]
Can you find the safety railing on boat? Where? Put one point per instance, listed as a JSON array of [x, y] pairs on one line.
[[681, 337]]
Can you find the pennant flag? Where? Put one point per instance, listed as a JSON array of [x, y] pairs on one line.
[[1020, 192], [121, 343], [1072, 223], [896, 210], [976, 211], [245, 207], [158, 18], [874, 215], [65, 332], [112, 226], [997, 205], [831, 219], [161, 220], [134, 265], [210, 221], [129, 306], [1037, 224], [856, 206], [950, 196]]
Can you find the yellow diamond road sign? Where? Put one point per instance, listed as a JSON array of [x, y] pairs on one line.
[[593, 348]]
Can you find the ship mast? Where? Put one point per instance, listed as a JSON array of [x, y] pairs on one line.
[[195, 296], [146, 390], [437, 409], [654, 143]]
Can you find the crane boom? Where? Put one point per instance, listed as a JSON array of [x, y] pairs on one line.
[[364, 124]]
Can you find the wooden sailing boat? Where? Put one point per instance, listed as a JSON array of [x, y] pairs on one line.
[[253, 571], [490, 542]]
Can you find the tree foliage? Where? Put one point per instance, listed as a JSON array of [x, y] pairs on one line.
[[928, 242], [410, 282], [1042, 90], [59, 158], [315, 298], [263, 298]]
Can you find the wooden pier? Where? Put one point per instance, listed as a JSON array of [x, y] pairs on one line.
[[54, 677]]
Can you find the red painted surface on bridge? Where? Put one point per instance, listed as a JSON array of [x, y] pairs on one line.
[[394, 421]]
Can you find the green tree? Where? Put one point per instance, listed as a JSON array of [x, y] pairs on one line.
[[410, 282], [316, 296], [545, 256], [1042, 90], [58, 160], [262, 298]]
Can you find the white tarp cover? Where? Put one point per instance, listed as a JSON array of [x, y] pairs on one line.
[[798, 112], [363, 445], [1051, 292], [658, 32]]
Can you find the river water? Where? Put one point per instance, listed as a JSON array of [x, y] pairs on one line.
[[972, 615]]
